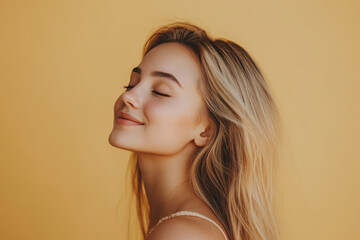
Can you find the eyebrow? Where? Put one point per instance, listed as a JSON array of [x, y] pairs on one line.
[[158, 74]]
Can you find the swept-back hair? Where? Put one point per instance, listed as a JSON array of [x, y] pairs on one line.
[[234, 172]]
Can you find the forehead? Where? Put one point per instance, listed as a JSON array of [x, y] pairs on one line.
[[173, 58]]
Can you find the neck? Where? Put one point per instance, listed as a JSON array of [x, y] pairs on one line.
[[166, 182]]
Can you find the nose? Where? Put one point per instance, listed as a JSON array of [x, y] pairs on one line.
[[130, 99]]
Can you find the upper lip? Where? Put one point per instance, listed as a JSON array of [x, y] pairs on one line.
[[128, 117]]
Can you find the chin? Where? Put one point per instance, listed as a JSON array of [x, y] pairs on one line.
[[114, 140], [119, 143]]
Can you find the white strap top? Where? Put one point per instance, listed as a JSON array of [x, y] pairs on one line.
[[182, 213]]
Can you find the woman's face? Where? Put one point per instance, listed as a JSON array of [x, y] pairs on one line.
[[167, 106]]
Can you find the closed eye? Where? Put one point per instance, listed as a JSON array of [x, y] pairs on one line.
[[128, 87], [158, 93], [161, 94]]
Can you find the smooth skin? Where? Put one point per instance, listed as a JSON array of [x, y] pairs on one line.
[[168, 138]]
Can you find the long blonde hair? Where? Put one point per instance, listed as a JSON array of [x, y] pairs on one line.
[[234, 172]]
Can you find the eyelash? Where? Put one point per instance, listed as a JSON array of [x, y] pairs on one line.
[[158, 93]]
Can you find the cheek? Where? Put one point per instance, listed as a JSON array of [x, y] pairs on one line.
[[170, 119]]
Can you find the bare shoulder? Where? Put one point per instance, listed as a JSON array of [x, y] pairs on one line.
[[185, 228]]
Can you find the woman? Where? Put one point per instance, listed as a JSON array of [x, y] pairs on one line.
[[203, 129]]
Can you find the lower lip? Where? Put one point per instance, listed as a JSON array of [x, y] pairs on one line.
[[123, 121]]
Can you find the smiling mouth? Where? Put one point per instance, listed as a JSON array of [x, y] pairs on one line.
[[128, 117], [125, 121]]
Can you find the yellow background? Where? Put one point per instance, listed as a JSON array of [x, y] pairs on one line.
[[63, 64]]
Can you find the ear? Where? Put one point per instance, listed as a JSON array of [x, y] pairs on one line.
[[203, 134]]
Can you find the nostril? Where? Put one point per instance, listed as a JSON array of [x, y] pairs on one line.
[[129, 100]]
